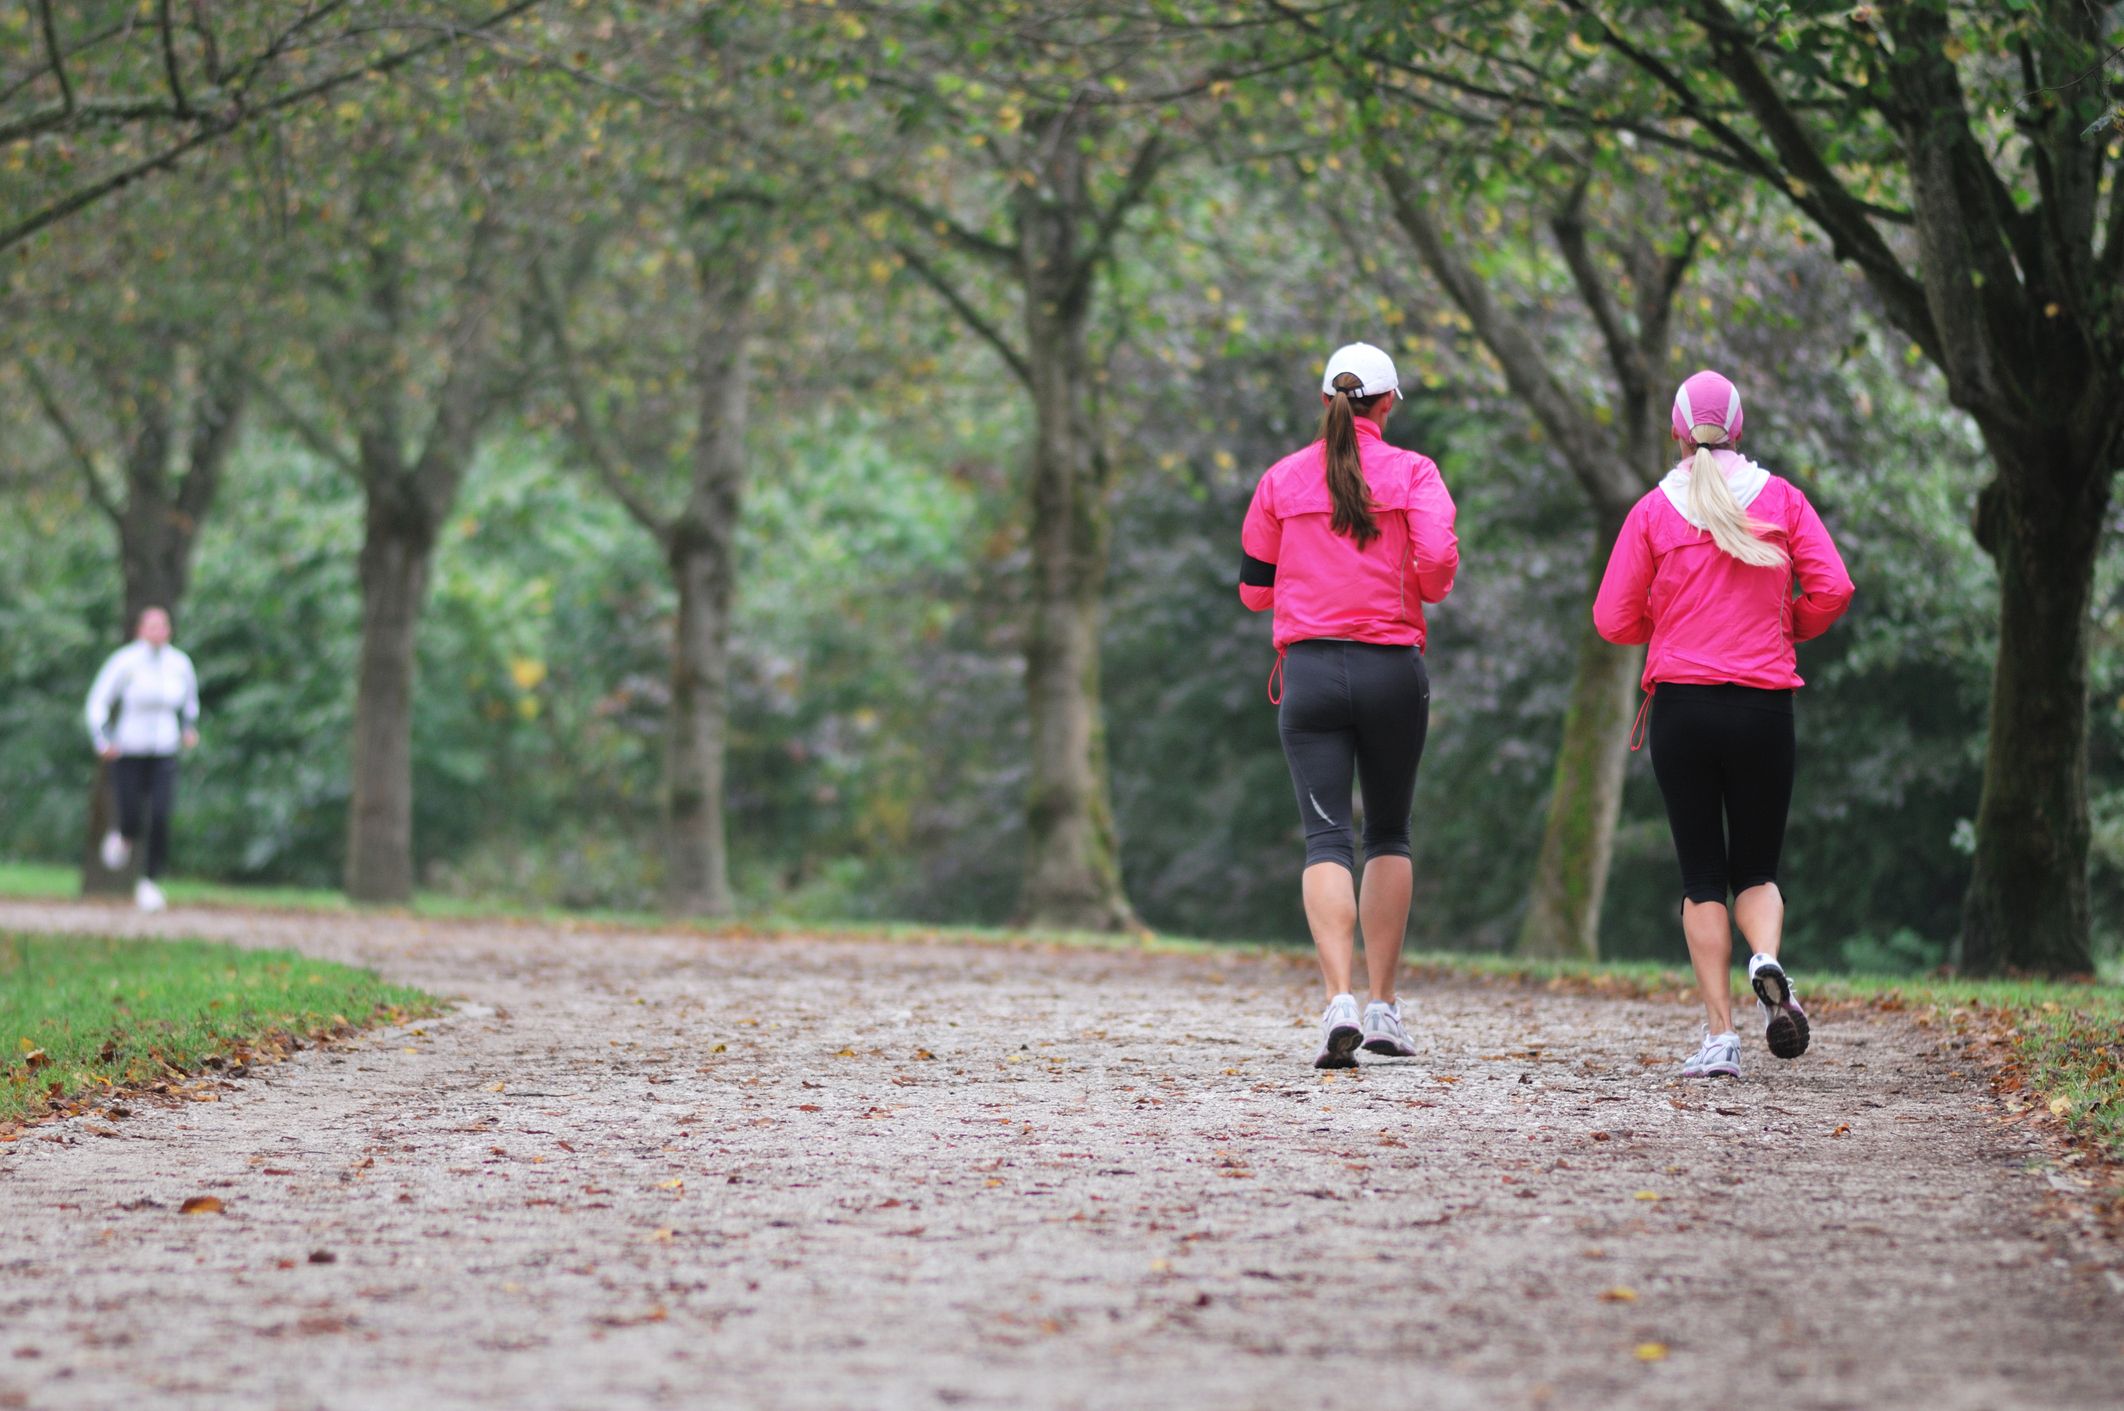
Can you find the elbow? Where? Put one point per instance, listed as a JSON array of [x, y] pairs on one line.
[[1257, 599]]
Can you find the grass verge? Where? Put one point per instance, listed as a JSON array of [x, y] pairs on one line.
[[81, 1017]]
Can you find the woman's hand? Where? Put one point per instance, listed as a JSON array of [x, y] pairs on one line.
[[108, 752], [191, 739]]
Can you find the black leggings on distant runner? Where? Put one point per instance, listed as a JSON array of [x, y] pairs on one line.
[[1354, 707], [1724, 759], [147, 790]]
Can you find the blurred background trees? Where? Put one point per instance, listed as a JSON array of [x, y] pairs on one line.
[[778, 456]]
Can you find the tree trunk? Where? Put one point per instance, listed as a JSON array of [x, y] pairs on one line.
[[1073, 874], [155, 551], [1585, 801], [696, 855], [2027, 905], [395, 555]]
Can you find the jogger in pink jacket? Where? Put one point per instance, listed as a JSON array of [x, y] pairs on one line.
[[1345, 542], [1704, 571]]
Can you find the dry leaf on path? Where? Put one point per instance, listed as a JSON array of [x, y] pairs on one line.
[[201, 1205], [1618, 1294], [1651, 1352]]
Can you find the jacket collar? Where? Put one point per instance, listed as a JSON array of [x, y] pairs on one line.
[[1744, 477]]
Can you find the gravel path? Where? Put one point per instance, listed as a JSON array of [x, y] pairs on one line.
[[635, 1170]]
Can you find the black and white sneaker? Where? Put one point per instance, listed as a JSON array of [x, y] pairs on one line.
[[1784, 1022]]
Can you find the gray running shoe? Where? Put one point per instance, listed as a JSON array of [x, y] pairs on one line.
[[1339, 1034], [1718, 1058], [1383, 1031]]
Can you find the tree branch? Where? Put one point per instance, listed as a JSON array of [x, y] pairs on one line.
[[1603, 474], [170, 66], [1798, 169], [964, 308], [76, 444], [212, 130], [306, 431], [586, 432], [58, 60], [1142, 171], [1626, 355]]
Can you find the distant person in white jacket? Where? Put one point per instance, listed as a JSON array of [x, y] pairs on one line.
[[155, 694]]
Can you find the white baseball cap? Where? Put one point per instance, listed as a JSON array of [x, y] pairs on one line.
[[1374, 370]]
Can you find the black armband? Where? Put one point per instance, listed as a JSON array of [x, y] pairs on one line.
[[1256, 573]]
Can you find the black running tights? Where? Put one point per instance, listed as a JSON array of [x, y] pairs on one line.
[[1354, 708], [1724, 758]]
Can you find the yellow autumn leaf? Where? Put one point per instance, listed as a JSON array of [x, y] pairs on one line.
[[1618, 1294], [1647, 1195], [1651, 1352], [674, 1184], [2059, 1106]]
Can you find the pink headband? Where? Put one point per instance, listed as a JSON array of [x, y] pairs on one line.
[[1707, 399]]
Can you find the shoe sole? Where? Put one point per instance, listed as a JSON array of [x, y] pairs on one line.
[[1787, 1032], [1341, 1050], [1389, 1048], [1714, 1073]]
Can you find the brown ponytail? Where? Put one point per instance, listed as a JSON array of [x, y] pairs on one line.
[[1345, 470]]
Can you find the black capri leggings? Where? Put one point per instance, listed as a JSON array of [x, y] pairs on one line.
[[147, 792], [1354, 706], [1724, 757]]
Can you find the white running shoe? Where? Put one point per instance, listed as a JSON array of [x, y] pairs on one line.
[[148, 897], [1383, 1031], [1339, 1034], [1718, 1058], [1785, 1027], [117, 852]]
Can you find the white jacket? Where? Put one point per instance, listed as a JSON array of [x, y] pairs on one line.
[[157, 695]]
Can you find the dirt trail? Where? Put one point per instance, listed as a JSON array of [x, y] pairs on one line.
[[807, 1174]]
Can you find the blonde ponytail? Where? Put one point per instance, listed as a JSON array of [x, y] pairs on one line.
[[1711, 502]]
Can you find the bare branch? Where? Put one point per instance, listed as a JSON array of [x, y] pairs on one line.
[[320, 442], [587, 432], [1603, 473], [1142, 171], [51, 49], [76, 444], [963, 307], [170, 68]]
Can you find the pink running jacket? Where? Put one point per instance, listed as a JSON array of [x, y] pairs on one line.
[[1709, 617], [1320, 584]]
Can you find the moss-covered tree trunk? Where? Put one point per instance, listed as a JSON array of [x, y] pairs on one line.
[[1585, 797]]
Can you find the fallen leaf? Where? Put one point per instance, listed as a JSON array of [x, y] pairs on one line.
[[2059, 1106], [660, 1236], [720, 1048], [674, 1184], [1842, 1128], [1618, 1294], [1647, 1195], [323, 1256], [201, 1205], [924, 1053], [1651, 1352], [844, 1053], [496, 1087]]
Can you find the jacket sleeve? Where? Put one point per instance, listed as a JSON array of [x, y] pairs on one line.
[[110, 684], [1622, 610], [1825, 588], [1434, 550], [1260, 545], [189, 712]]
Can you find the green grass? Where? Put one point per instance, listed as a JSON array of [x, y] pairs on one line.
[[2063, 1042], [83, 1015]]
